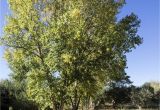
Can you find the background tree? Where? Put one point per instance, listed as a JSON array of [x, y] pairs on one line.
[[140, 96], [152, 99], [154, 84], [127, 96], [13, 96], [65, 51], [116, 93]]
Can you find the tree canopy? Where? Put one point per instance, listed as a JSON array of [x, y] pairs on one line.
[[66, 50]]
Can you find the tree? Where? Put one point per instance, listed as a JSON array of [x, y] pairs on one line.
[[141, 95], [154, 84], [4, 98], [66, 50], [152, 100], [117, 92], [13, 96]]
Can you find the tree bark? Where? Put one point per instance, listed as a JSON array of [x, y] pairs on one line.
[[75, 106]]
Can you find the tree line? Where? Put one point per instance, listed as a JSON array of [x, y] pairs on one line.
[[126, 96]]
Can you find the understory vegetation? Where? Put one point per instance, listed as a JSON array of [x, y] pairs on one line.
[[116, 95]]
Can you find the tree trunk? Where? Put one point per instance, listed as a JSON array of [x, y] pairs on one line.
[[58, 106], [139, 107], [75, 107], [62, 105], [113, 104], [75, 104]]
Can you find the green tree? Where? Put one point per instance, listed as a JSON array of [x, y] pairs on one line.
[[13, 96], [116, 93], [141, 95], [66, 50], [153, 84]]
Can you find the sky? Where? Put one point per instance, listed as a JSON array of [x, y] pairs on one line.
[[143, 62], [4, 69]]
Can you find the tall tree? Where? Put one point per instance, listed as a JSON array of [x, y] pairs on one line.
[[65, 50]]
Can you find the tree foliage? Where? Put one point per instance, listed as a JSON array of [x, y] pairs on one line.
[[65, 50], [128, 97], [117, 92], [145, 96], [14, 96]]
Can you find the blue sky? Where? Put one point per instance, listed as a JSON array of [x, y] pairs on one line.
[[4, 70], [143, 62]]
